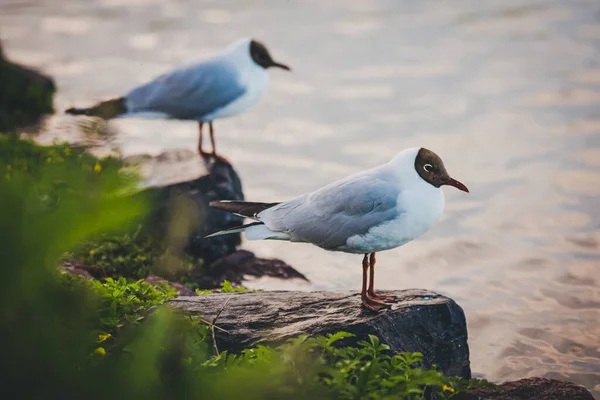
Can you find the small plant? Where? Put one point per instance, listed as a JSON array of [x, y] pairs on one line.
[[226, 287], [120, 303], [370, 372], [123, 302]]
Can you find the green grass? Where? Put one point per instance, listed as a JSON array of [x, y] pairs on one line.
[[134, 256], [23, 156]]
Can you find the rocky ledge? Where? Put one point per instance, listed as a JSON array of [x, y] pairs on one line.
[[530, 389], [420, 321]]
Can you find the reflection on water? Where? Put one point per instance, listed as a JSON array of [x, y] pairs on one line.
[[507, 92]]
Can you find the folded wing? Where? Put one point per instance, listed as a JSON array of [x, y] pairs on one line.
[[329, 216], [190, 92]]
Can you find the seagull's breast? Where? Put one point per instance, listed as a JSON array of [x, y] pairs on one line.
[[255, 81], [418, 209]]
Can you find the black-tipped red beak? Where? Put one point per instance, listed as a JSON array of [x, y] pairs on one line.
[[457, 184], [282, 66]]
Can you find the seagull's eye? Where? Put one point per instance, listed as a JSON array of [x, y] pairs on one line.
[[427, 167]]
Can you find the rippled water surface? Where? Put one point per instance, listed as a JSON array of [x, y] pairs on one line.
[[507, 92]]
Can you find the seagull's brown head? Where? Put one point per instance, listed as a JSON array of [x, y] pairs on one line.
[[431, 169], [261, 56]]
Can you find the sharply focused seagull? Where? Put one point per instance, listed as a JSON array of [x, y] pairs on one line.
[[225, 85], [374, 210]]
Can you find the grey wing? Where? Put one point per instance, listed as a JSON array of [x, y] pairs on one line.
[[188, 93], [329, 216]]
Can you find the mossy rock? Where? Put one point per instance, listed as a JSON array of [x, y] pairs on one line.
[[26, 95]]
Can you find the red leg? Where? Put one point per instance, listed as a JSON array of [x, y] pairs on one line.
[[212, 138], [367, 301], [371, 290], [200, 151]]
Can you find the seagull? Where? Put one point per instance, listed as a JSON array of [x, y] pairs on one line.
[[375, 210], [225, 85]]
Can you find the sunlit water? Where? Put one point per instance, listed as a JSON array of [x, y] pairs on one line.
[[507, 92]]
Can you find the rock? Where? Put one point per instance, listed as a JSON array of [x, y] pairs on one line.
[[76, 269], [25, 97], [182, 290], [419, 321], [169, 168], [180, 185], [181, 211], [235, 267], [529, 389]]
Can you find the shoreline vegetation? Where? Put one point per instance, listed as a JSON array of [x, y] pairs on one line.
[[113, 336]]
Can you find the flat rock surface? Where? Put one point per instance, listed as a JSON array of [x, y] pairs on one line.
[[168, 168], [530, 389], [420, 321]]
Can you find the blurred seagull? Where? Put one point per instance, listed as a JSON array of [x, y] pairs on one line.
[[374, 210], [225, 85]]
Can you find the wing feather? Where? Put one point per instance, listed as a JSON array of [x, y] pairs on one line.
[[190, 92], [329, 216]]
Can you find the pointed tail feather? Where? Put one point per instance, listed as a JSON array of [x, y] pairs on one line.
[[244, 208], [106, 109], [235, 229], [254, 231]]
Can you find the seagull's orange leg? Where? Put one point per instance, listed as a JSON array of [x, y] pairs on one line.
[[371, 290], [212, 138], [200, 151], [367, 301]]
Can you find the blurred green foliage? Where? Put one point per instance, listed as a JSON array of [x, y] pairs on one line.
[[125, 251], [65, 337], [24, 159]]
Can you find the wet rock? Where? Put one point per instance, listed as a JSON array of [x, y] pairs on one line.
[[181, 210], [419, 321], [25, 97], [182, 290], [530, 389], [235, 267]]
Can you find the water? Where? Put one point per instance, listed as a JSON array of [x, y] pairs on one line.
[[507, 92]]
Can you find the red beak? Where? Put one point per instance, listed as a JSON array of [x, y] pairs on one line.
[[457, 184], [279, 65]]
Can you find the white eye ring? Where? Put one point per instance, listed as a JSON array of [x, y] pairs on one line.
[[427, 167]]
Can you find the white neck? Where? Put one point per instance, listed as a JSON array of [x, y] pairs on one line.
[[238, 55], [403, 166]]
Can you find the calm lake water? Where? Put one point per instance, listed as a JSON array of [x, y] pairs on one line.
[[506, 92]]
